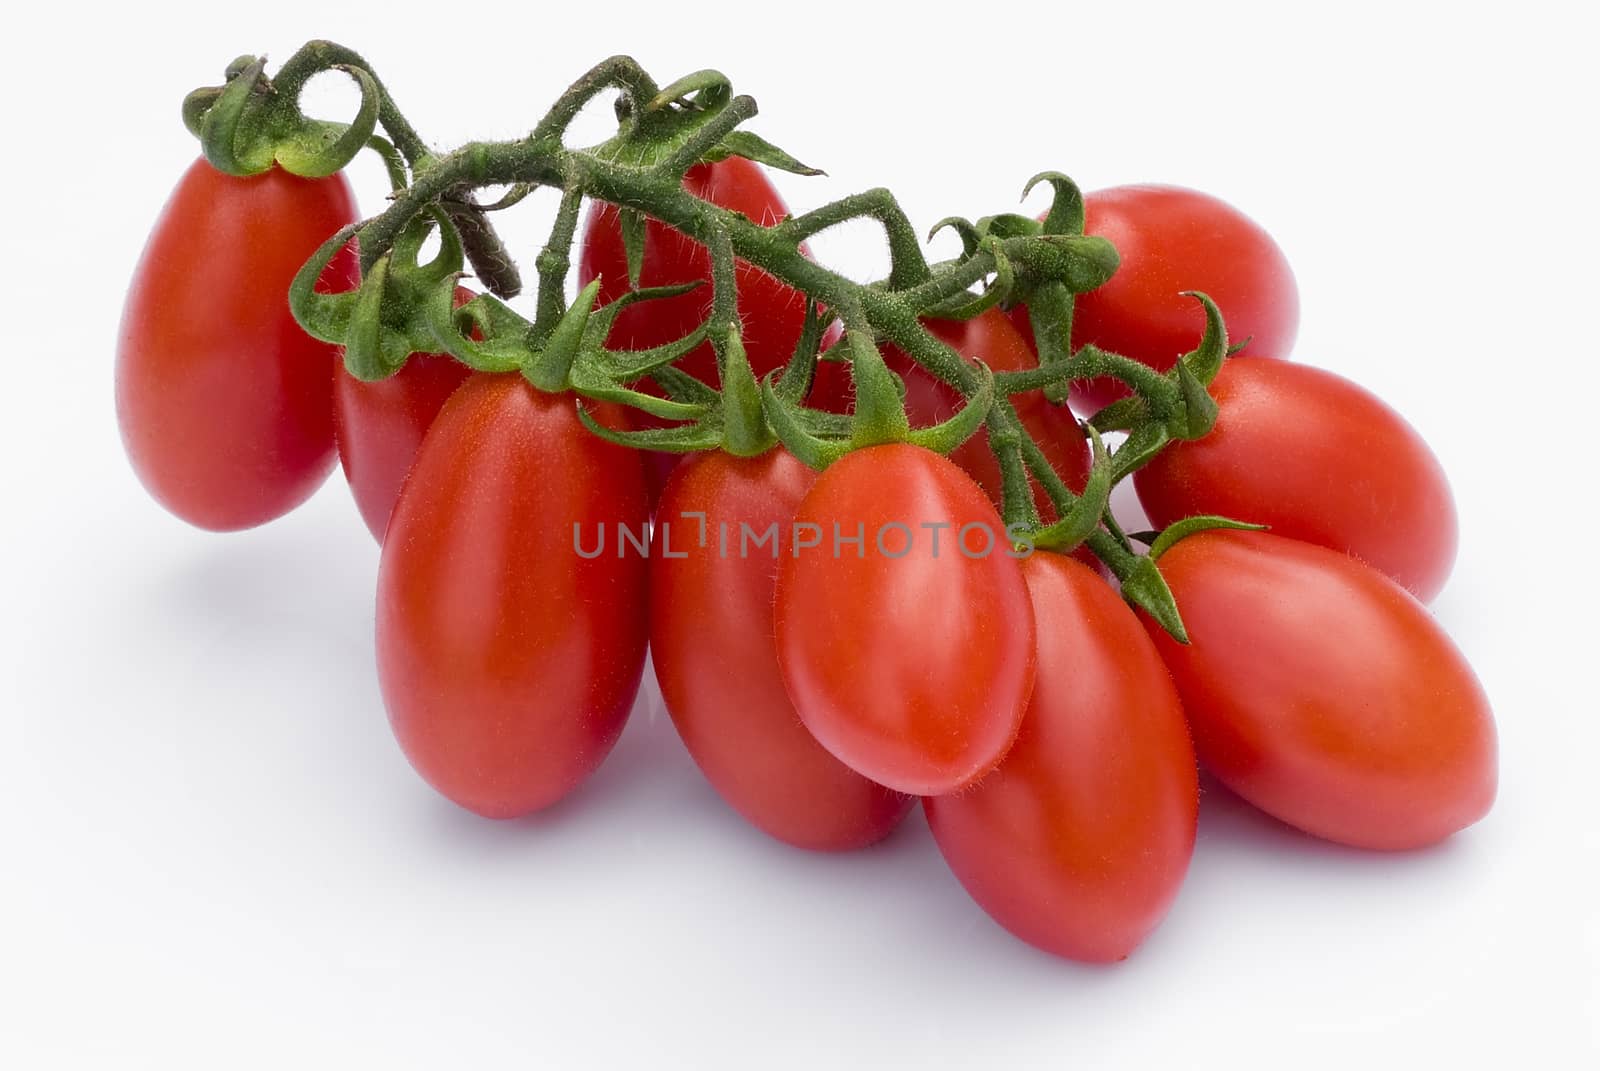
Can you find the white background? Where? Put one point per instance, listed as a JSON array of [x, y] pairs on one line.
[[215, 856]]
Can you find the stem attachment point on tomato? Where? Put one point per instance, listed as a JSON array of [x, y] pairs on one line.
[[223, 123], [745, 432], [880, 410]]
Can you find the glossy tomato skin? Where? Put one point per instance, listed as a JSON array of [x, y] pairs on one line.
[[379, 425], [912, 665], [1316, 458], [224, 403], [1078, 841], [508, 661], [1322, 692], [1170, 240], [991, 338], [712, 645]]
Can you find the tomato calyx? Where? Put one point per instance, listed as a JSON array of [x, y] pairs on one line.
[[385, 319], [251, 124], [880, 411]]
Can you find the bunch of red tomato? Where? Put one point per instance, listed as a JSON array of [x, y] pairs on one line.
[[842, 666]]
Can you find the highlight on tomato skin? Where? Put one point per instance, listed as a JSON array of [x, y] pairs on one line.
[[914, 670], [1314, 457], [223, 402], [508, 662], [1322, 692], [715, 656], [1079, 840]]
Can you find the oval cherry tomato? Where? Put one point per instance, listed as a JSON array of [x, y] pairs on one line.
[[1171, 240], [712, 645], [1323, 693], [907, 656], [509, 660], [224, 403], [1078, 841], [771, 313], [991, 338], [379, 426], [1316, 458]]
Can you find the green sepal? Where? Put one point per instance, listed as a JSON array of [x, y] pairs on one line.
[[631, 223], [822, 423], [1142, 444], [628, 365], [697, 91], [446, 264], [795, 382], [585, 379], [505, 346], [684, 439], [758, 149], [1080, 521], [744, 425], [672, 130], [225, 121], [602, 318], [196, 105], [364, 351], [325, 317], [1124, 414], [880, 409], [946, 436], [1205, 361], [683, 387], [391, 314], [1008, 225], [316, 149], [1066, 208], [1199, 408], [792, 431], [1145, 588], [1189, 526], [550, 366], [964, 228]]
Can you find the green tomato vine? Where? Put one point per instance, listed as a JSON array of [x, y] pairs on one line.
[[402, 306]]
